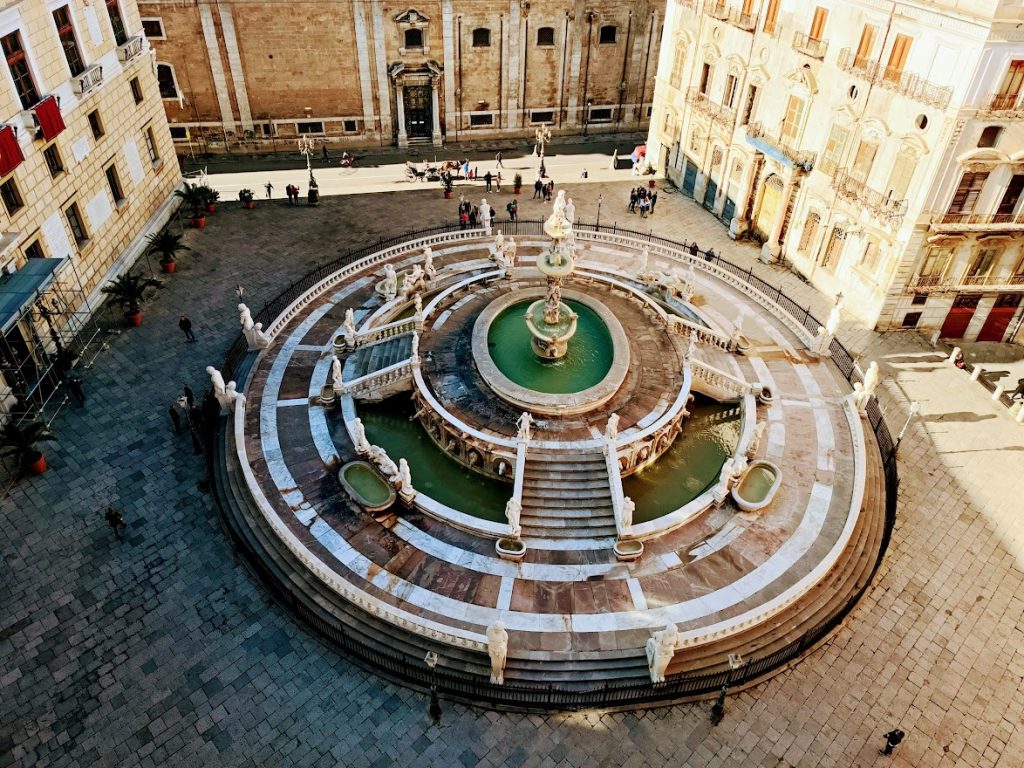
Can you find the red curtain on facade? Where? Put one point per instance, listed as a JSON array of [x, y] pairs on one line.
[[10, 151], [51, 123]]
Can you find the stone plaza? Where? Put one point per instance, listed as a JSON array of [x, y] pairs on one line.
[[164, 649]]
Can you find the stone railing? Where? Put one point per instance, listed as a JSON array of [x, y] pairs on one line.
[[970, 221], [938, 283], [715, 112], [1002, 105], [685, 328], [89, 80], [382, 332], [886, 209], [741, 20], [800, 158], [378, 380], [719, 379], [131, 49], [893, 79], [810, 46], [717, 9], [618, 496]]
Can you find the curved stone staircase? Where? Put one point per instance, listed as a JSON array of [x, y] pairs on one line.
[[566, 496]]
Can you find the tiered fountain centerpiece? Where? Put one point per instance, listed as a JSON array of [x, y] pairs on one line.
[[550, 321]]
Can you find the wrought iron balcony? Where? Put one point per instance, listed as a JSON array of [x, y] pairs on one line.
[[896, 80], [716, 112], [131, 49], [810, 46], [940, 283], [857, 65], [968, 222], [1002, 105], [89, 80], [798, 158], [884, 208]]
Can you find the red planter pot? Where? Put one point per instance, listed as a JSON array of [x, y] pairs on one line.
[[211, 207], [134, 319], [199, 222], [517, 190], [251, 204], [167, 266], [37, 466], [447, 195]]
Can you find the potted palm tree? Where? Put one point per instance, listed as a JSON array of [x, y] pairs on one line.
[[193, 196], [129, 290], [21, 440], [517, 183], [247, 197], [210, 198], [167, 245]]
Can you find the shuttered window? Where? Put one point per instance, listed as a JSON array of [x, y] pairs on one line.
[[967, 193]]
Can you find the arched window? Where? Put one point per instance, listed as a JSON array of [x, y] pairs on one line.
[[546, 36], [165, 80], [989, 136], [414, 38], [834, 249], [607, 34], [481, 38], [869, 261], [810, 233]]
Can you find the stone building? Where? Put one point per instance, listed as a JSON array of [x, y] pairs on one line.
[[365, 72], [869, 144], [87, 168]]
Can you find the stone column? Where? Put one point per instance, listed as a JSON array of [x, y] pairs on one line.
[[770, 251], [383, 81], [435, 134], [220, 84], [403, 138], [448, 37], [227, 25], [513, 66], [363, 57]]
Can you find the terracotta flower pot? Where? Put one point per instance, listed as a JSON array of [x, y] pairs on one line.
[[199, 222], [35, 464], [134, 318], [447, 195], [167, 266], [211, 207], [517, 190], [251, 204]]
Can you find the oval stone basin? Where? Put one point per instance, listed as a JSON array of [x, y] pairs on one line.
[[366, 485], [757, 486]]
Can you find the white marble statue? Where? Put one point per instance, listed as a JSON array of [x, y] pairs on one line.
[[513, 510], [413, 281], [691, 348], [497, 649], [217, 381], [499, 242], [558, 207], [260, 339], [626, 516], [359, 441], [660, 649], [645, 254], [524, 422], [350, 327], [245, 317], [689, 280], [863, 392], [428, 263], [390, 286], [615, 159], [336, 373], [417, 302], [755, 438], [611, 429], [485, 215], [725, 476], [570, 211], [832, 324], [405, 488], [415, 354], [232, 397], [510, 251], [384, 463]]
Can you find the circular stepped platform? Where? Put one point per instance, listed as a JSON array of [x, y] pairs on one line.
[[584, 589]]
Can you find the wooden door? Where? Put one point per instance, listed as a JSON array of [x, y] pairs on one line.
[[999, 317], [898, 56], [959, 317], [818, 23]]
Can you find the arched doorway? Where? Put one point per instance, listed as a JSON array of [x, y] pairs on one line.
[[771, 197]]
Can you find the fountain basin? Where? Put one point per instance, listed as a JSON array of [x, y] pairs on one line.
[[757, 486], [550, 340], [510, 549], [366, 486], [626, 551]]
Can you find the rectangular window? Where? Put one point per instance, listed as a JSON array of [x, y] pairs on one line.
[[481, 120], [117, 22], [154, 29], [1012, 195], [862, 163], [794, 119], [34, 250], [968, 192], [911, 319], [74, 217], [818, 24], [17, 63], [136, 90], [677, 65], [899, 178], [53, 160], [834, 149], [834, 249], [114, 182], [771, 16], [1010, 89], [154, 156], [546, 116], [68, 41], [705, 77], [730, 90], [95, 124], [165, 81], [601, 114], [898, 57], [11, 196], [748, 108], [869, 261], [983, 262], [936, 263], [919, 300], [349, 126], [179, 133], [867, 43], [313, 126]]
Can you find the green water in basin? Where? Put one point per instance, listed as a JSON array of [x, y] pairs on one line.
[[367, 484], [691, 465], [756, 484], [585, 364], [433, 472]]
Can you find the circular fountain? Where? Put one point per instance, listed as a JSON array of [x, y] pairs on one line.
[[551, 322]]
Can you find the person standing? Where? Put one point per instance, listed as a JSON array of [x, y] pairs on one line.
[[487, 181], [190, 396], [654, 201], [538, 186], [497, 160], [326, 154], [270, 188], [632, 200], [497, 181], [115, 521], [75, 388], [186, 327], [892, 739]]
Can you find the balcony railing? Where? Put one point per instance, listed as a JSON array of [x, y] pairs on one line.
[[131, 49], [975, 221], [896, 80], [800, 158], [717, 10], [936, 283], [809, 45], [89, 80], [883, 207], [745, 21], [1003, 105], [705, 106]]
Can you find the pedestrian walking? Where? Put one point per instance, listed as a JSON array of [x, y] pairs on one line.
[[583, 175], [615, 159], [497, 160], [190, 397], [172, 411], [270, 188], [487, 181], [463, 219], [75, 388], [115, 521], [710, 255], [497, 182], [186, 327], [538, 186], [892, 739], [1019, 391], [632, 200], [326, 154], [654, 201]]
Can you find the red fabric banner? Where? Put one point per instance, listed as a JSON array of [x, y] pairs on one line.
[[51, 123], [10, 151]]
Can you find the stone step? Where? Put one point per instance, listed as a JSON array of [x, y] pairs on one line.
[[572, 460], [558, 492], [588, 533], [550, 509], [582, 514], [541, 485]]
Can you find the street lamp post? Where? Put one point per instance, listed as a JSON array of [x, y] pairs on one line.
[[915, 408], [306, 147], [542, 136], [600, 199]]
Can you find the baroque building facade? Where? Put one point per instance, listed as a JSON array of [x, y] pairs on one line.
[[87, 168], [364, 72], [875, 146]]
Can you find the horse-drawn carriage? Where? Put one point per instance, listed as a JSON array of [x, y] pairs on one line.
[[432, 171]]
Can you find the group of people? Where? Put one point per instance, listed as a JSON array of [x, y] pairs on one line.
[[542, 190], [292, 190], [469, 214], [185, 412], [643, 200]]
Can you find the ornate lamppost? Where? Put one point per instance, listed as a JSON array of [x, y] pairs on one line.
[[541, 136], [306, 146]]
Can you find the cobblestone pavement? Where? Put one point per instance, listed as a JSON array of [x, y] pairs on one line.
[[162, 649]]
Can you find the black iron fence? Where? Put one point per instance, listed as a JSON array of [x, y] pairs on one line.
[[537, 696]]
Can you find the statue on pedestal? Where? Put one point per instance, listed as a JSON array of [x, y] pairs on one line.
[[570, 211], [524, 423], [217, 380], [611, 430], [863, 392], [510, 251], [428, 263], [415, 354], [413, 280], [390, 286], [384, 463], [660, 649], [497, 649], [417, 302], [755, 439], [232, 397], [645, 254], [626, 516], [405, 489], [359, 441], [513, 510], [350, 327], [336, 373], [485, 215]]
